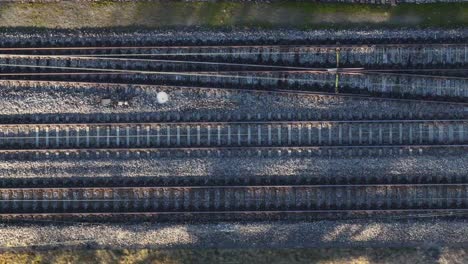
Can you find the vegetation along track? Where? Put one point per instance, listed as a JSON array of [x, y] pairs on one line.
[[225, 201]]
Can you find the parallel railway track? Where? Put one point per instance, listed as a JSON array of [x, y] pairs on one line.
[[303, 55], [225, 152], [234, 134], [382, 85], [224, 200], [219, 58], [356, 71], [218, 179], [386, 82]]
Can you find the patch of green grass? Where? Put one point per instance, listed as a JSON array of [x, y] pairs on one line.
[[437, 14], [304, 15], [103, 3], [331, 8]]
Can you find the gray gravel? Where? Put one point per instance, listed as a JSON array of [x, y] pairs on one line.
[[268, 1], [51, 98], [411, 166], [201, 36], [235, 235], [25, 98]]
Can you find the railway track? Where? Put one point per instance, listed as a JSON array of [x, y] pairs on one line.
[[208, 216], [355, 71], [328, 56], [381, 85], [438, 111], [372, 83], [218, 63], [384, 83], [245, 179], [234, 134], [226, 152], [220, 200]]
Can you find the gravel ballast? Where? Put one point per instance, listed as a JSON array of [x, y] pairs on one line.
[[423, 233], [51, 102], [409, 166], [22, 98], [191, 36]]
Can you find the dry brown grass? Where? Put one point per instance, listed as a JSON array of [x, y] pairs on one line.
[[264, 256]]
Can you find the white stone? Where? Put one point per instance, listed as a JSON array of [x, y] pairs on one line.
[[162, 97]]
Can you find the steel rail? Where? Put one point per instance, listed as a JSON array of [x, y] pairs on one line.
[[349, 72], [289, 68], [340, 71], [376, 185], [44, 57], [223, 148], [320, 211], [273, 122], [162, 73], [233, 46]]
